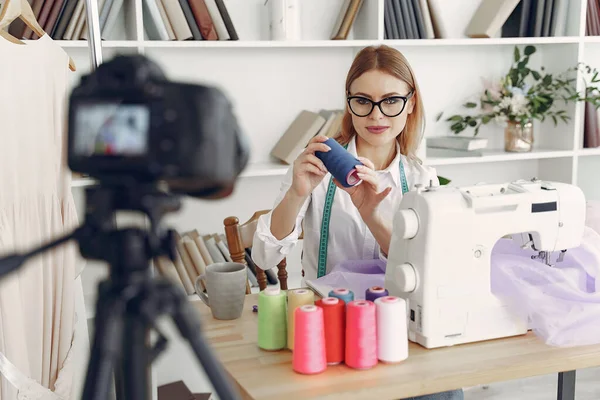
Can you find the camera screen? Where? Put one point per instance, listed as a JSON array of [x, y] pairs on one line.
[[111, 130]]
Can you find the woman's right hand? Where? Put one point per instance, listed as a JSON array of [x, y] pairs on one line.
[[309, 170]]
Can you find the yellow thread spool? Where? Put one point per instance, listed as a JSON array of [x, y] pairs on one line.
[[296, 298]]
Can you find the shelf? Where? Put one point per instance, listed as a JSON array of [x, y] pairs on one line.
[[357, 43], [264, 169], [252, 171], [589, 152], [498, 156], [150, 44]]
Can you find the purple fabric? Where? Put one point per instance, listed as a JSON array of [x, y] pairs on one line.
[[563, 301]]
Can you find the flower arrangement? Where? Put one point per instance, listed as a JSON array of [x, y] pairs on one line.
[[525, 94]]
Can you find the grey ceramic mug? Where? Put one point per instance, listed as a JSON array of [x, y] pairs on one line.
[[225, 284]]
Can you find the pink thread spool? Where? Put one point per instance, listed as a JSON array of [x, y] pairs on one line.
[[309, 356], [361, 334]]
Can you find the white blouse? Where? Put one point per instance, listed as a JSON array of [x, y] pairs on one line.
[[349, 236]]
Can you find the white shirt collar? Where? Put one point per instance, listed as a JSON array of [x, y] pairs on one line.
[[393, 168]]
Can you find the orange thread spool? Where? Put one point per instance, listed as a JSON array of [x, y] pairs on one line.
[[309, 355], [361, 334], [334, 317]]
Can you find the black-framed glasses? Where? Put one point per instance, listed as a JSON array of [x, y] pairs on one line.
[[390, 106]]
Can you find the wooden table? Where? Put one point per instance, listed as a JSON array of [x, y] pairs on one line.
[[262, 374]]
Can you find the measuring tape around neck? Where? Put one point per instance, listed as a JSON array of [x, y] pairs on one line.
[[324, 240]]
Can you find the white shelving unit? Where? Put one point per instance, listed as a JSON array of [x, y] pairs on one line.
[[271, 81]]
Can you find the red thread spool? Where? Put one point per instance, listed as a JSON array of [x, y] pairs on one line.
[[361, 334], [334, 318], [309, 355]]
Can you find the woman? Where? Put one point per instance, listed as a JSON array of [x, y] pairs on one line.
[[382, 126]]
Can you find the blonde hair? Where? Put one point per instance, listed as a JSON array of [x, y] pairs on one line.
[[393, 62]]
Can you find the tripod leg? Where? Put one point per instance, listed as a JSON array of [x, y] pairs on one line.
[[136, 359], [189, 326], [106, 345]]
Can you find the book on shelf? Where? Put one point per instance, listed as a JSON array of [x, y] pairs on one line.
[[592, 20], [66, 19], [194, 252], [304, 127], [410, 19], [345, 19], [537, 18], [452, 153], [167, 20], [489, 18], [591, 127], [457, 143], [183, 20]]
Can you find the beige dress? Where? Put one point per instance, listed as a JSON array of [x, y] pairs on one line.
[[38, 302]]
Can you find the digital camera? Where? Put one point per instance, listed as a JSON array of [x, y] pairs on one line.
[[128, 122]]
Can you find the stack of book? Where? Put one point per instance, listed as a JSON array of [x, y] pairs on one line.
[[410, 19], [188, 20], [346, 18], [67, 19], [455, 146], [305, 126], [592, 20], [591, 128], [194, 252], [537, 18]]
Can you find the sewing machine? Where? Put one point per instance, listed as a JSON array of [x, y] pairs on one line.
[[440, 253]]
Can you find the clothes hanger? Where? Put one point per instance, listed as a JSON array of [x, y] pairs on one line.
[[14, 9]]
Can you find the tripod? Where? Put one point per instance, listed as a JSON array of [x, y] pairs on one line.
[[130, 300]]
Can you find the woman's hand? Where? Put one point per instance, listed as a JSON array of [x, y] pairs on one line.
[[309, 170], [366, 196]]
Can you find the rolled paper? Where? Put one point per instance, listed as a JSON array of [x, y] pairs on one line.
[[272, 319], [340, 163], [296, 298]]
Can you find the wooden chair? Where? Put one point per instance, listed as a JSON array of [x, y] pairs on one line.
[[239, 238]]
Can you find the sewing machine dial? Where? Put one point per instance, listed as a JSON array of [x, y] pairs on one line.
[[405, 278], [407, 224]]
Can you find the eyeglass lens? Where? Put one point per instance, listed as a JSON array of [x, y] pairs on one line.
[[391, 106]]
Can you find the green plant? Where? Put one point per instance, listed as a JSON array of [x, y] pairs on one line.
[[443, 181], [525, 94]]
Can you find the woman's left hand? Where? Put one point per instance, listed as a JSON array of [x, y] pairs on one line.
[[366, 196]]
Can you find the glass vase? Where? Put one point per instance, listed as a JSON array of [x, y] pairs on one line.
[[518, 137]]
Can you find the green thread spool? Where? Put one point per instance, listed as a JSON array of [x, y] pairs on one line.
[[272, 319]]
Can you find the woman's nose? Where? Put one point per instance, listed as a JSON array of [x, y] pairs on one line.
[[376, 113]]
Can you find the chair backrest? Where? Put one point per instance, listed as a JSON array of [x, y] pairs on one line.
[[239, 238]]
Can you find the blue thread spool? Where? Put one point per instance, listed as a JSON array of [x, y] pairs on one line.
[[343, 294], [340, 163]]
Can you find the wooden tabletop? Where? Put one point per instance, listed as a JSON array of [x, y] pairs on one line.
[[269, 375]]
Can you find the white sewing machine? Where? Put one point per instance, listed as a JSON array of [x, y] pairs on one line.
[[439, 256]]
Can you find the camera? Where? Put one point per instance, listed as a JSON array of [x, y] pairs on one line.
[[129, 123]]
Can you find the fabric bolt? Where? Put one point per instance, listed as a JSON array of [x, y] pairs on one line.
[[349, 237], [38, 302]]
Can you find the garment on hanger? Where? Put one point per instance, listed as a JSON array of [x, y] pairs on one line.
[[37, 303]]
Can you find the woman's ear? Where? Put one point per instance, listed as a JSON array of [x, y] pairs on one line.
[[410, 106]]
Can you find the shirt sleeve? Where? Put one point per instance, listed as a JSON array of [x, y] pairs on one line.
[[267, 250]]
